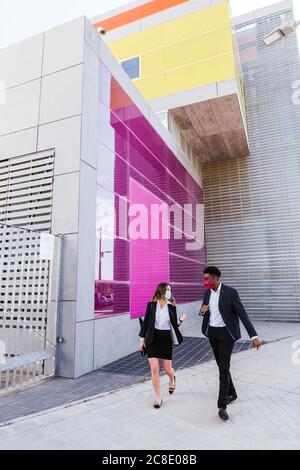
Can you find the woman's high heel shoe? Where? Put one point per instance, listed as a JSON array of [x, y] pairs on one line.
[[157, 404], [171, 390]]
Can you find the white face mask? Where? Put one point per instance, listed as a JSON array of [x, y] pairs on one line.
[[168, 294]]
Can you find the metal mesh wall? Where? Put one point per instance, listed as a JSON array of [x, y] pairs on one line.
[[253, 204], [24, 287]]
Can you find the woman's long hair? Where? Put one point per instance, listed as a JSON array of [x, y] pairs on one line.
[[160, 292]]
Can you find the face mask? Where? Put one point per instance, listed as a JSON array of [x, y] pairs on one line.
[[207, 284], [168, 294]]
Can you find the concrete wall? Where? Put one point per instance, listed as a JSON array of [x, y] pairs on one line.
[[43, 106]]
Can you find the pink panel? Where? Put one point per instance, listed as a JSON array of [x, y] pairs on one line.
[[149, 259]]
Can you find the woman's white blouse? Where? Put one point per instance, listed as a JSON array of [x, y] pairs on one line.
[[162, 317]]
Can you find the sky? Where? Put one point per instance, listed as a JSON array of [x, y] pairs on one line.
[[20, 19]]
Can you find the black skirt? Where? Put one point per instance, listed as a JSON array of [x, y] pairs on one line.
[[162, 345]]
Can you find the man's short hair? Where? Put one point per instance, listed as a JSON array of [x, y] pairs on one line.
[[213, 270]]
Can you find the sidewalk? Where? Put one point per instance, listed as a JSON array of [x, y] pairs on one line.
[[265, 416]]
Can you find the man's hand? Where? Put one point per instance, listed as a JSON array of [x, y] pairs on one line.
[[204, 308], [256, 342]]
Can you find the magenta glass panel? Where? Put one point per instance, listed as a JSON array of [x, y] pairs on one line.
[[135, 166], [149, 259]]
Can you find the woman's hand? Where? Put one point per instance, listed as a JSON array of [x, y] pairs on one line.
[[141, 344], [183, 317]]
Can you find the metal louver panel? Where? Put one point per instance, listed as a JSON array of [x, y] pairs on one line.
[[26, 187], [253, 204]]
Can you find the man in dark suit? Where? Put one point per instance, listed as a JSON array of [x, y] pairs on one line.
[[221, 310]]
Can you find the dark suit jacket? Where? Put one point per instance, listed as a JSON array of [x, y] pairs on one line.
[[231, 309], [147, 328]]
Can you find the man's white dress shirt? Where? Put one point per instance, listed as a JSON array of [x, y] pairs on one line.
[[215, 317]]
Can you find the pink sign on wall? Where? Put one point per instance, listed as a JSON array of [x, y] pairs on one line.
[[149, 252]]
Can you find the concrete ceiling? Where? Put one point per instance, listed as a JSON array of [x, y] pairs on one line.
[[213, 128]]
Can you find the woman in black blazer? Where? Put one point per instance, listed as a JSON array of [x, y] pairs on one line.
[[158, 333]]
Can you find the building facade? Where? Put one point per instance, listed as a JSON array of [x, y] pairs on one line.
[[192, 61], [138, 179], [85, 156]]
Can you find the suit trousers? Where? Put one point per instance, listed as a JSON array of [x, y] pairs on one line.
[[222, 345]]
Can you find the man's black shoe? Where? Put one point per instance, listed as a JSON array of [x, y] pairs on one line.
[[223, 414], [231, 398]]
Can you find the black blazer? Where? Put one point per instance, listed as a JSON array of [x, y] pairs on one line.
[[147, 328], [231, 309]]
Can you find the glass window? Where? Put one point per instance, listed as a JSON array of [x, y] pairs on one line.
[[132, 67], [137, 170]]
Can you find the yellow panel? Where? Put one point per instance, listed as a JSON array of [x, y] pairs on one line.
[[187, 51], [152, 87], [195, 75], [186, 78], [184, 53], [138, 43], [202, 21]]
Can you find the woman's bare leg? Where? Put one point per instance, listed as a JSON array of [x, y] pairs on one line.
[[167, 365], [154, 366]]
